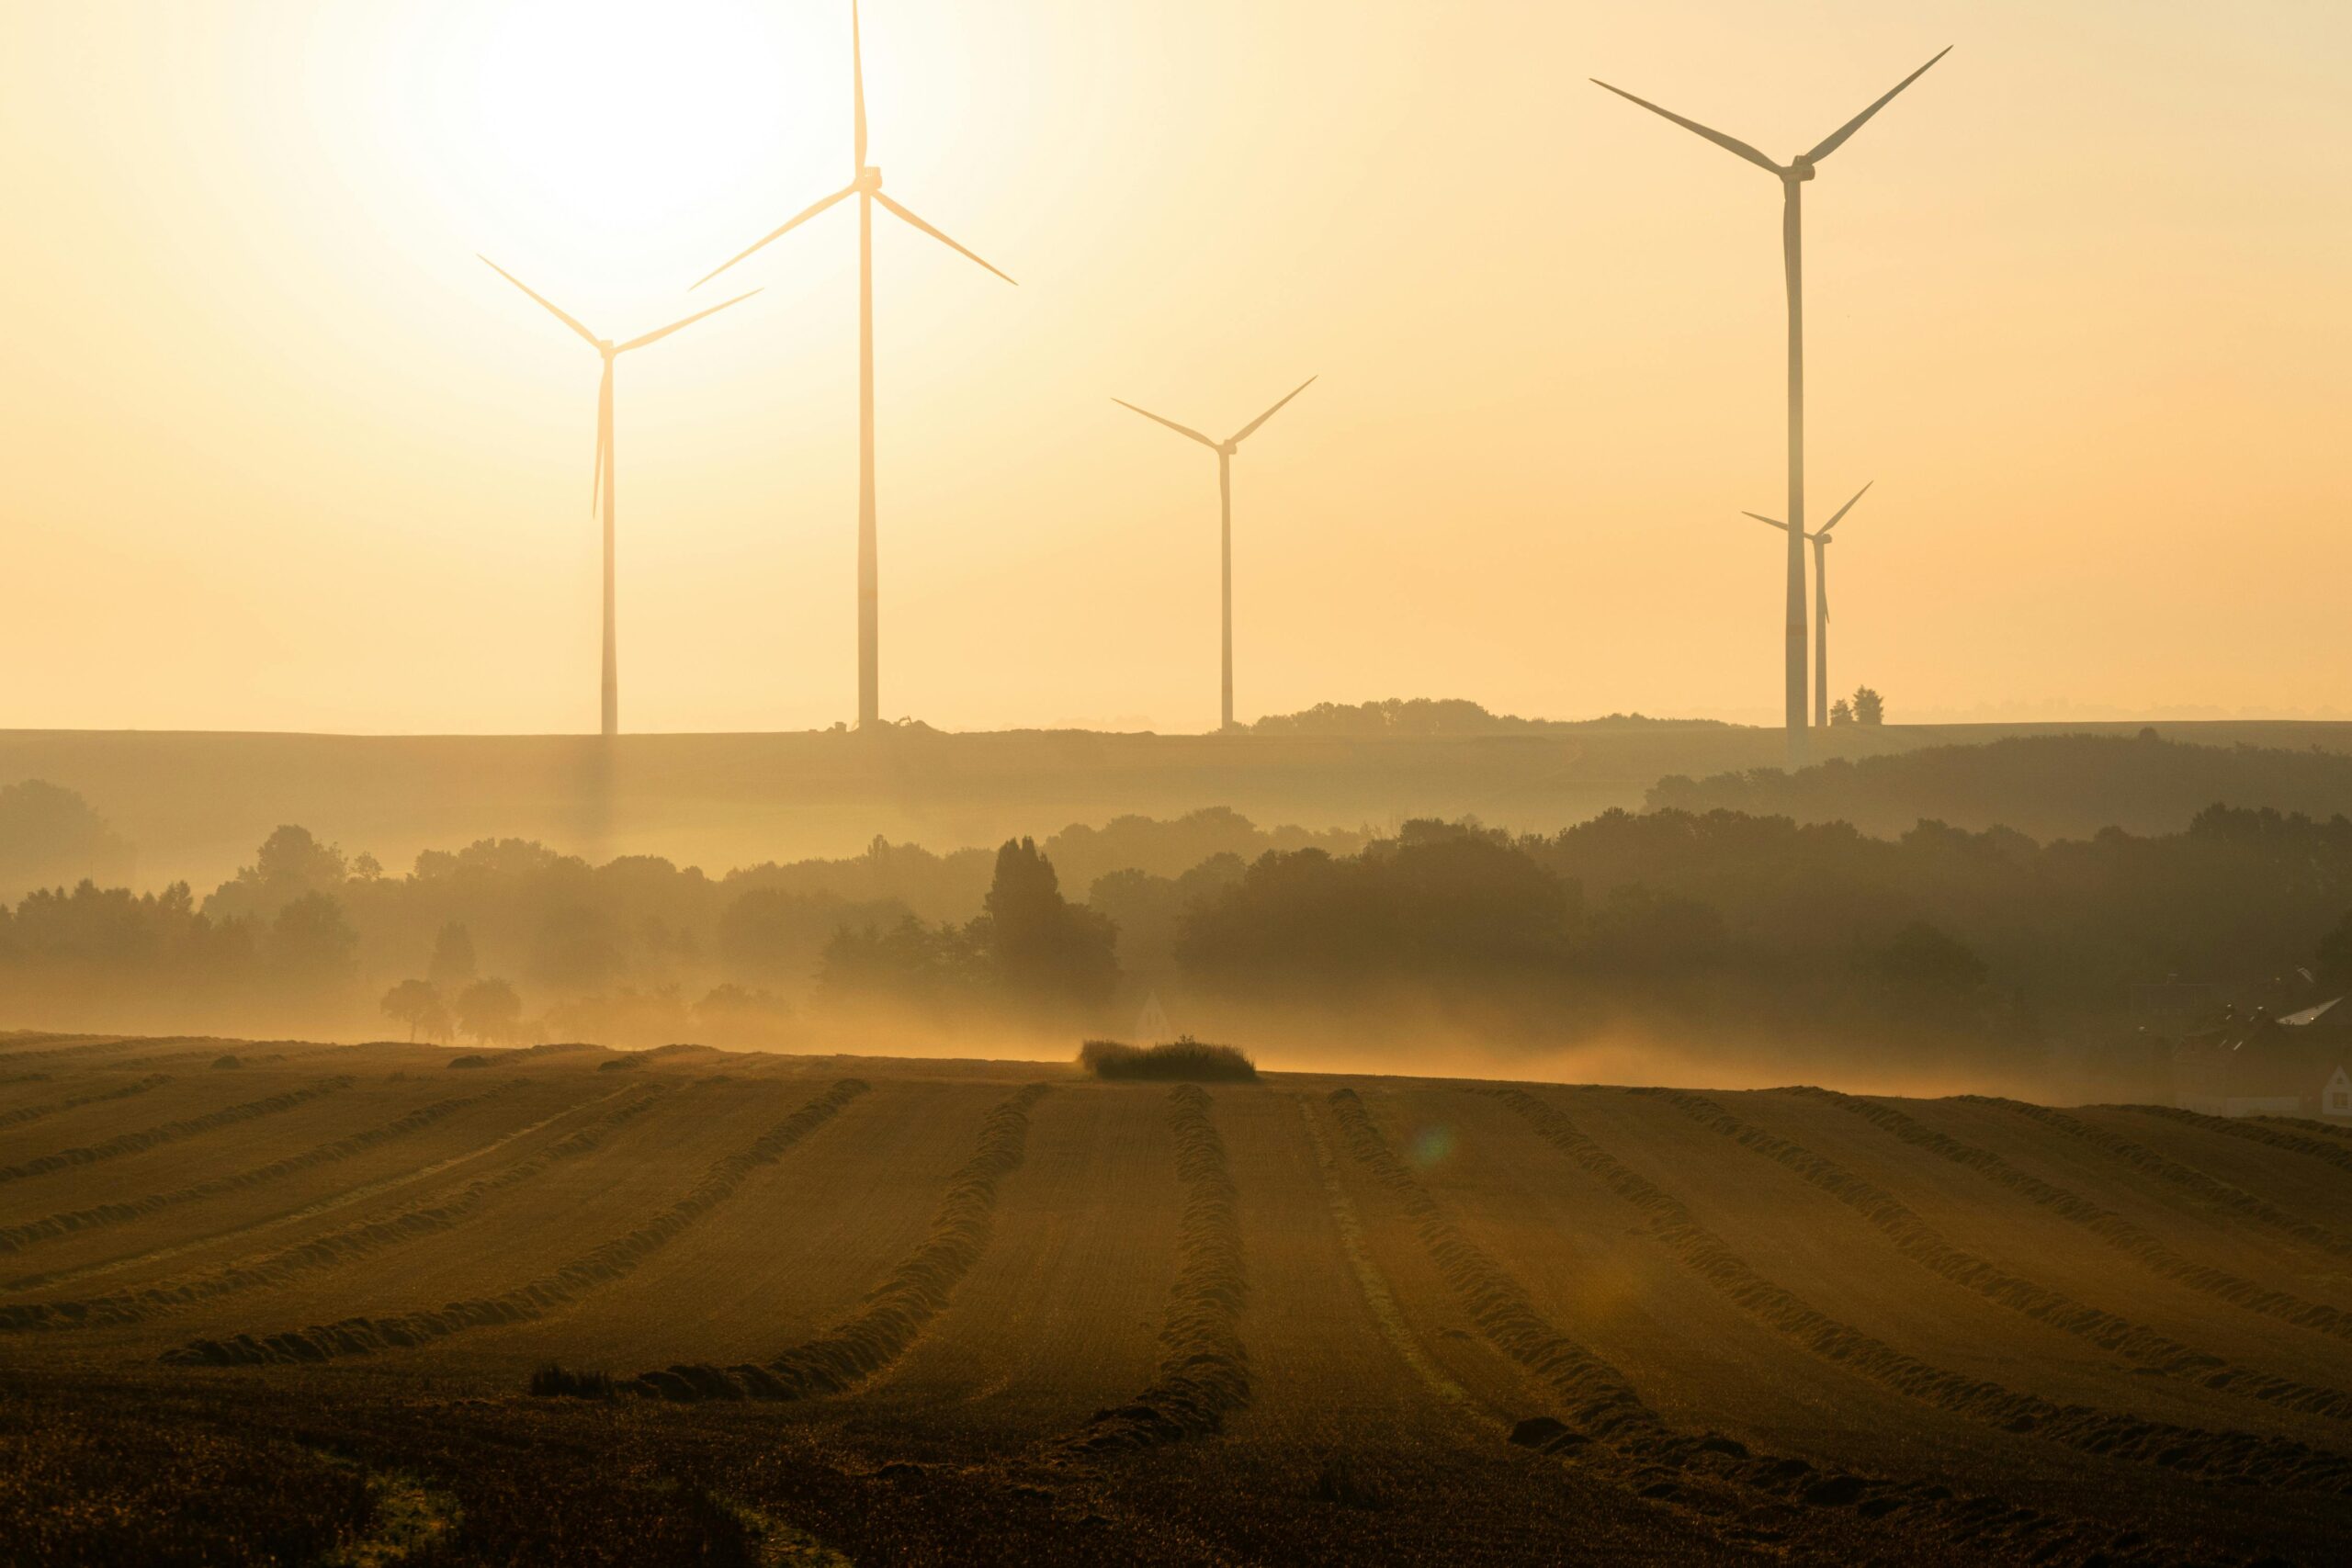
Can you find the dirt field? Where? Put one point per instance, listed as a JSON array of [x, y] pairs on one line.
[[881, 1312]]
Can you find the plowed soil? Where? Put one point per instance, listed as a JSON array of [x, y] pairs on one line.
[[987, 1311]]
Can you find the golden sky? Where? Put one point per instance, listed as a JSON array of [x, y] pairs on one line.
[[282, 454]]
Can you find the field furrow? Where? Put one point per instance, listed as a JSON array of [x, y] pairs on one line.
[[1378, 1298], [1760, 1500], [2203, 1184], [1601, 1404], [15, 1056], [2124, 1235], [318, 1253], [2208, 1454], [1060, 1316], [2332, 1149], [24, 1113], [611, 1261], [17, 1237], [1203, 1370], [901, 1305], [1923, 1244], [171, 1132], [792, 1256]]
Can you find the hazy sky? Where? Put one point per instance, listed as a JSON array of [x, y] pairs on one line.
[[282, 454]]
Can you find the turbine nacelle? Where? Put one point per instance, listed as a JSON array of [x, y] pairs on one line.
[[1800, 167], [869, 180]]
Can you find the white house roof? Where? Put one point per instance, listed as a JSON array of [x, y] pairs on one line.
[[2308, 1016]]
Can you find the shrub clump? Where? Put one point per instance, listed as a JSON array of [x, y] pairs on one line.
[[1183, 1058], [555, 1380], [470, 1061], [228, 1061], [619, 1064]]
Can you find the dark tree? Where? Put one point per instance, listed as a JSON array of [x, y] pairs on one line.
[[1043, 950], [49, 837], [489, 1012], [452, 967], [312, 944], [418, 1004]]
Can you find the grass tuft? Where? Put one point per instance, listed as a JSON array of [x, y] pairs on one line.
[[1185, 1058], [555, 1380]]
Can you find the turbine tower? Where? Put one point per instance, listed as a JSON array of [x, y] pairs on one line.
[[602, 490], [1792, 176], [865, 184], [1821, 541], [1225, 450]]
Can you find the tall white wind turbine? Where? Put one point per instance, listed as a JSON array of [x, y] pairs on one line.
[[1792, 176], [1821, 541], [865, 184], [1225, 450], [602, 490]]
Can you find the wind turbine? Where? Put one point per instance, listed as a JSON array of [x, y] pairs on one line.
[[865, 184], [1793, 176], [1225, 450], [1821, 541], [602, 490]]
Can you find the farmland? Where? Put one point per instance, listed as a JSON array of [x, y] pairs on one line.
[[884, 1311]]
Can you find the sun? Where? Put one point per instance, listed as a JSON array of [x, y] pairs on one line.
[[622, 141]]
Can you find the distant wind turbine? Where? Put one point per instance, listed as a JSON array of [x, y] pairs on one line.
[[865, 184], [1821, 541], [601, 489], [1793, 176], [1225, 450]]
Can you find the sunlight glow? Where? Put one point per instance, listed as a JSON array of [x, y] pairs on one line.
[[620, 129]]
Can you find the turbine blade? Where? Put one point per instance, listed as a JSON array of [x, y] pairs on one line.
[[1836, 138], [1775, 521], [1728, 143], [797, 218], [857, 86], [1178, 429], [1246, 430], [658, 335], [943, 239], [1848, 507], [553, 310]]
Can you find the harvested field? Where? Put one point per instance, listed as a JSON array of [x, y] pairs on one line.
[[966, 1311]]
